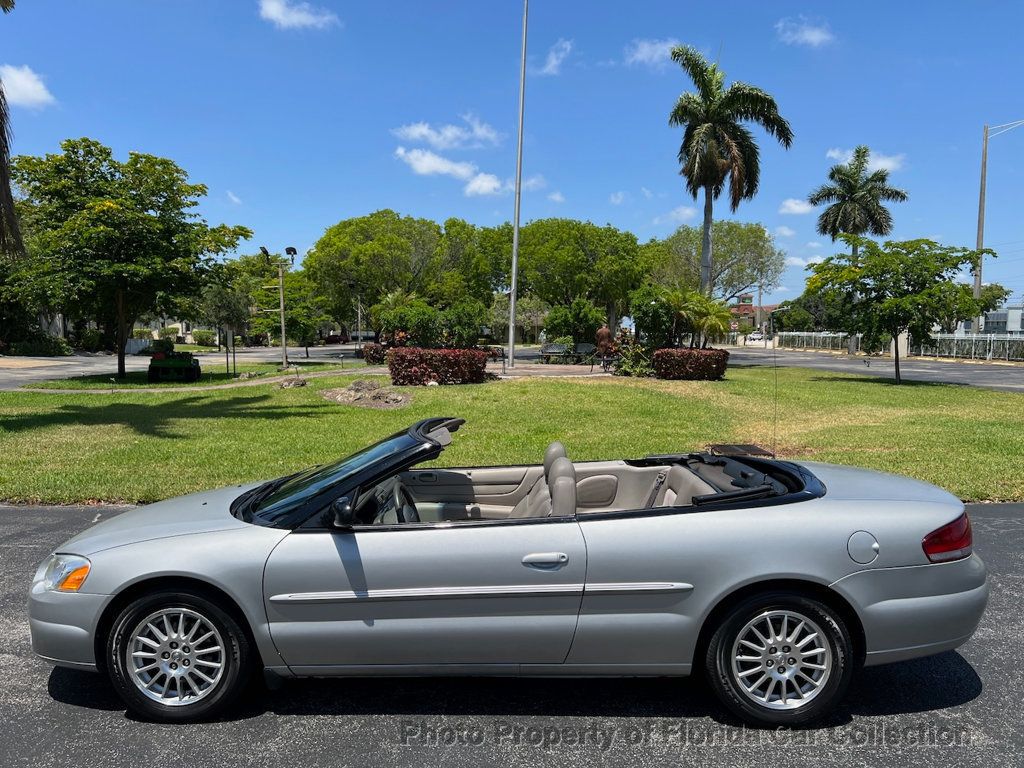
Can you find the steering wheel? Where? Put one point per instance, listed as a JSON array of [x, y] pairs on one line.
[[405, 507]]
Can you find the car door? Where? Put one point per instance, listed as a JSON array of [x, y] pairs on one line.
[[480, 593]]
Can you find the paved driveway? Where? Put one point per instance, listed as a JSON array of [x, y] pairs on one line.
[[957, 709]]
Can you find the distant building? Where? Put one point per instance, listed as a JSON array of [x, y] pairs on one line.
[[1007, 320], [746, 309]]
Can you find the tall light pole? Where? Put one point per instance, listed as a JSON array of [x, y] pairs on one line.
[[987, 133], [518, 195], [291, 252]]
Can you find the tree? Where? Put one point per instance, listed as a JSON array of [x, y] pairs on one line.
[[305, 311], [109, 237], [855, 198], [960, 304], [10, 235], [227, 298], [716, 145], [578, 320], [900, 286], [745, 257]]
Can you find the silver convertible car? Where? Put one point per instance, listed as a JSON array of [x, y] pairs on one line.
[[777, 580]]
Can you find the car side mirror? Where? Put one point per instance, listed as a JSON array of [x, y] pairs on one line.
[[342, 513]]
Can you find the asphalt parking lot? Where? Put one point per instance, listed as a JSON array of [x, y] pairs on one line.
[[960, 708]]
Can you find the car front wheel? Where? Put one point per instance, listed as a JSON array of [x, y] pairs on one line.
[[175, 657], [780, 659]]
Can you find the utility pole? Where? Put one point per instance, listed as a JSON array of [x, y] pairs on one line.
[[515, 220]]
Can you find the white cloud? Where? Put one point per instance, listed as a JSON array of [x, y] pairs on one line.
[[794, 206], [234, 198], [649, 52], [646, 193], [784, 231], [556, 197], [802, 31], [616, 198], [814, 244], [474, 134], [287, 14], [24, 88], [796, 261], [534, 183], [782, 289], [877, 161], [557, 53], [426, 163], [483, 184], [678, 215]]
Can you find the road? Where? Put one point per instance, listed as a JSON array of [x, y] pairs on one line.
[[963, 708], [975, 374]]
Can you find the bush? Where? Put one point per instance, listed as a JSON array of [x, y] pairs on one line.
[[168, 333], [161, 345], [580, 320], [204, 338], [414, 325], [690, 364], [142, 333], [633, 360], [374, 354], [412, 365], [653, 317], [40, 344], [90, 339], [461, 323]]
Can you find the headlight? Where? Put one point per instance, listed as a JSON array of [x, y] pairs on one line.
[[65, 573]]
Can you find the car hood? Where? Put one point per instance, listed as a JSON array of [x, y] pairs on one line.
[[855, 484], [196, 513]]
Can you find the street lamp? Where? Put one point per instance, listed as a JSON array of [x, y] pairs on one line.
[[518, 195], [291, 253], [987, 133]]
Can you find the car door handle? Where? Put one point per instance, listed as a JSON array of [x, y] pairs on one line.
[[545, 559]]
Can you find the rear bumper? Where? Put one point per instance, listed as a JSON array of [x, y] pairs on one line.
[[63, 626], [917, 610]]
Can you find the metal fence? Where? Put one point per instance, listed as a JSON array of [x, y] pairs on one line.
[[978, 346], [812, 340]]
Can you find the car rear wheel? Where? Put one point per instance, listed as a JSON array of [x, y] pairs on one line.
[[174, 656], [780, 659]]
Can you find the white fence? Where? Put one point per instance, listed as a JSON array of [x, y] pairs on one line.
[[978, 346], [814, 340]]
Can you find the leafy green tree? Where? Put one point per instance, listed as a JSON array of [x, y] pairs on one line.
[[227, 298], [654, 317], [580, 320], [708, 318], [717, 147], [855, 197], [110, 237], [531, 314], [745, 257], [899, 286], [461, 324], [960, 304], [305, 310]]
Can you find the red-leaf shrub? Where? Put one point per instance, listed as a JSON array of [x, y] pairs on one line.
[[412, 365], [690, 364], [374, 354]]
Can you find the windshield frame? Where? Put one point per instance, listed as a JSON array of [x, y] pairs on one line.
[[421, 443]]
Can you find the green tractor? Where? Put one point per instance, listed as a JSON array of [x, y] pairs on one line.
[[173, 366]]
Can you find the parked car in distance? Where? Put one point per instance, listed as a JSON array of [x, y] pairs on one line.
[[755, 336], [776, 579], [336, 338]]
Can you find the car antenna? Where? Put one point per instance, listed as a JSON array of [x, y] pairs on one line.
[[775, 374]]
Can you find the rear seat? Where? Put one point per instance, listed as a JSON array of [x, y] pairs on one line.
[[679, 487]]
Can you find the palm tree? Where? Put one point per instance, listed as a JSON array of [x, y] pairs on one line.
[[716, 144], [856, 196], [10, 236], [708, 317]]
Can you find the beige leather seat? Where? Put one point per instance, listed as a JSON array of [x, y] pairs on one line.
[[537, 503], [680, 487], [562, 483]]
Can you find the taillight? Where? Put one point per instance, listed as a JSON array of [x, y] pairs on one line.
[[950, 542]]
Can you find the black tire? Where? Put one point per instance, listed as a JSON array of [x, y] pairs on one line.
[[718, 662], [234, 673]]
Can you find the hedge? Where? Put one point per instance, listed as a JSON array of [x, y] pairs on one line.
[[373, 354], [412, 365], [204, 338], [690, 364]]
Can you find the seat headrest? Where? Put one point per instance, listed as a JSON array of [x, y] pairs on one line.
[[554, 451], [562, 483]]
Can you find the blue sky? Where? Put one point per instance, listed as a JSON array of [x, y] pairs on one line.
[[297, 115]]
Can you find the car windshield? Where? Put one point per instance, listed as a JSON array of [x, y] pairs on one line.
[[273, 501]]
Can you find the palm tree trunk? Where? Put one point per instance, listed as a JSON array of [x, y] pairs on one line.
[[705, 251], [851, 342]]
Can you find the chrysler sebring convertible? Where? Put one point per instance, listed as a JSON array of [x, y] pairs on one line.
[[777, 580]]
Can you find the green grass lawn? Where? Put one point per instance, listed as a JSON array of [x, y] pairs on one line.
[[144, 447], [212, 373]]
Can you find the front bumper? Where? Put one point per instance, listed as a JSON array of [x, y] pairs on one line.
[[917, 610], [63, 625]]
